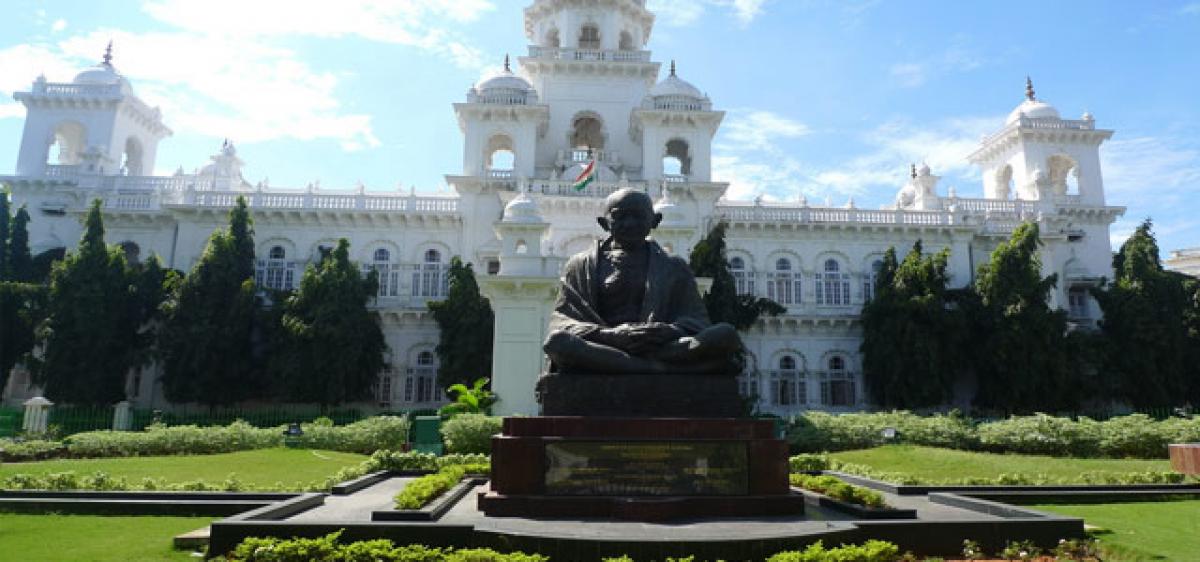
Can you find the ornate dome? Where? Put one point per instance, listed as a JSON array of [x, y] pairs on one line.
[[522, 209], [673, 85], [1032, 107], [102, 73], [503, 80]]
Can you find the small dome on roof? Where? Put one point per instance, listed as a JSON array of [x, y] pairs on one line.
[[673, 85], [102, 73], [522, 209], [1032, 107], [503, 79]]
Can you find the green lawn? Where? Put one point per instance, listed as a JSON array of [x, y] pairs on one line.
[[1144, 531], [80, 538], [933, 464], [262, 467]]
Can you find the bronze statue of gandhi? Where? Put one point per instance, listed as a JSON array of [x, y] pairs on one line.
[[626, 307]]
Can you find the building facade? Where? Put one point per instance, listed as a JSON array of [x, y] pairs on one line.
[[587, 90]]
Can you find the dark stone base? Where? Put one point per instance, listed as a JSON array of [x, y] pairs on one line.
[[696, 396], [524, 461], [640, 508]]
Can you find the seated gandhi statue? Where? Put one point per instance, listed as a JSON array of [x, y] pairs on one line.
[[626, 307]]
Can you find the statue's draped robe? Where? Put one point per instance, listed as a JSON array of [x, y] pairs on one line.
[[671, 294]]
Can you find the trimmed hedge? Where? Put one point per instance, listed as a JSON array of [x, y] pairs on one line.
[[328, 549], [12, 450], [1132, 436], [837, 489], [470, 433], [423, 490]]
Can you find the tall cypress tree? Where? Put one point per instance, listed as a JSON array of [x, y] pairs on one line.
[[1022, 359], [19, 261], [465, 327], [1151, 355], [92, 334], [912, 332], [330, 346], [206, 342], [723, 302], [5, 219]]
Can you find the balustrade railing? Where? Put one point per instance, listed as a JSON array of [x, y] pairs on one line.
[[575, 54], [63, 89], [503, 96], [680, 103]]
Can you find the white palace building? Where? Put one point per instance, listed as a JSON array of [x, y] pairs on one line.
[[586, 89]]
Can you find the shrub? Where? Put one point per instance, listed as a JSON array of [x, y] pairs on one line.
[[470, 433], [31, 450], [870, 551], [414, 460], [329, 549], [1090, 477], [821, 431], [424, 489], [808, 462], [839, 490], [1041, 434], [365, 436], [174, 440]]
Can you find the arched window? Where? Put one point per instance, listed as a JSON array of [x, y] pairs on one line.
[[70, 140], [787, 384], [589, 36], [429, 277], [421, 379], [551, 39], [741, 277], [499, 158], [837, 384], [132, 164], [587, 133], [748, 380], [275, 272], [1062, 172], [626, 43], [678, 149], [871, 279], [784, 284], [833, 286], [1004, 182], [387, 272]]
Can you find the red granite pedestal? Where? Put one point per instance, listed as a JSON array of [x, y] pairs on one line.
[[641, 469]]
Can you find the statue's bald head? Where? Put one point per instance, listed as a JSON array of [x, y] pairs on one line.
[[629, 198], [629, 215]]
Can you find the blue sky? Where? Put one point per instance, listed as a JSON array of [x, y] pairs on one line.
[[832, 99]]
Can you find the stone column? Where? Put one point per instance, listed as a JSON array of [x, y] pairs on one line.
[[522, 306], [122, 416], [37, 415]]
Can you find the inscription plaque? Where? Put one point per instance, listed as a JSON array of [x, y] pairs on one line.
[[646, 468]]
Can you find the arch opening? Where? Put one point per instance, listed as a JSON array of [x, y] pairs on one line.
[[551, 39], [589, 36], [1064, 175], [1004, 182], [678, 149], [69, 139], [131, 164], [587, 133], [626, 41]]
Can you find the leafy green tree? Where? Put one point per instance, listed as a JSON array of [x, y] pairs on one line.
[[912, 332], [723, 302], [21, 308], [18, 261], [466, 324], [207, 339], [1150, 316], [93, 332], [330, 347], [1022, 357], [5, 219], [474, 400]]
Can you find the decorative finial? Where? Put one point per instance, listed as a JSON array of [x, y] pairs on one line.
[[672, 67], [108, 54], [1029, 89], [913, 171], [506, 66]]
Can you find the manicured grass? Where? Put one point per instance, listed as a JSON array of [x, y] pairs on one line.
[[1143, 531], [263, 467], [933, 464], [93, 538]]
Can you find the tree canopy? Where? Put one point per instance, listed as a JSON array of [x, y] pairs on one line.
[[206, 341], [723, 302], [93, 332], [329, 346], [466, 324]]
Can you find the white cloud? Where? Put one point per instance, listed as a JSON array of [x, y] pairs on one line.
[[58, 25], [11, 110], [427, 25], [679, 13], [1150, 169], [758, 130], [23, 63]]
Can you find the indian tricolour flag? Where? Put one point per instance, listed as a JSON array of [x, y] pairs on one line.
[[586, 176]]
